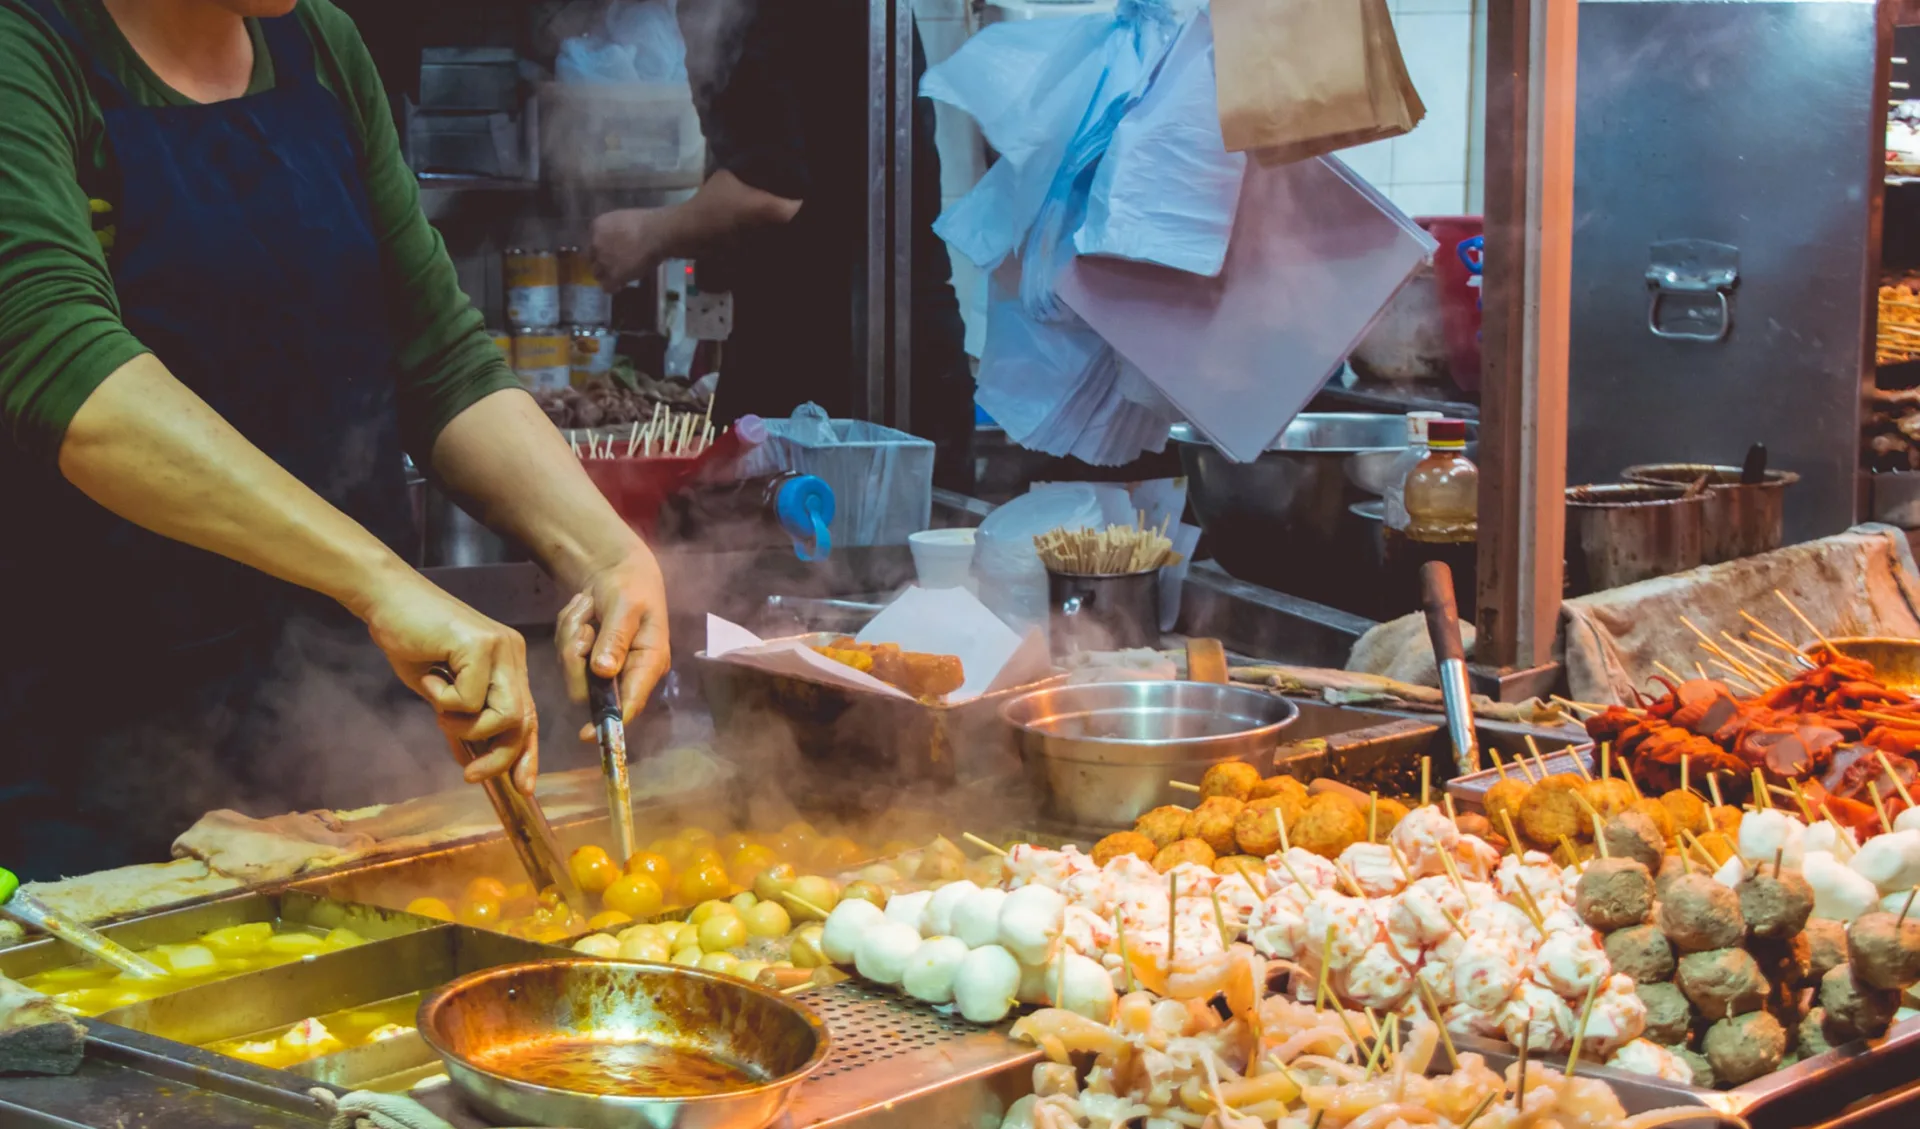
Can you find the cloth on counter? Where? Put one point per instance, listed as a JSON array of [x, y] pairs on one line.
[[36, 1037], [124, 892], [1861, 582], [364, 1109], [265, 850], [1141, 664], [1402, 650], [1352, 688]]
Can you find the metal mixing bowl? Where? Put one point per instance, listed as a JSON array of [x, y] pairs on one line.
[[488, 1016], [1103, 753], [1278, 520]]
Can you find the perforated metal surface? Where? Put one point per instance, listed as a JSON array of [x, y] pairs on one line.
[[869, 1026]]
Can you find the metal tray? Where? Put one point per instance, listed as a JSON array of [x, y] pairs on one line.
[[174, 926], [260, 1002], [1470, 792]]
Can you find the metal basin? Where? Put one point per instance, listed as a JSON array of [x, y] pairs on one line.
[[1620, 534], [1895, 661], [596, 1044], [1277, 521], [1103, 754], [1739, 520]]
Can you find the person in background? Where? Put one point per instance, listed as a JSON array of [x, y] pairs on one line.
[[223, 318], [781, 220]]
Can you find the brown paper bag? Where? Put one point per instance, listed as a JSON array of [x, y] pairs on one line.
[[1300, 78]]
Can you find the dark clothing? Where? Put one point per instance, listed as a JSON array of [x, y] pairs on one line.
[[247, 259], [783, 100]]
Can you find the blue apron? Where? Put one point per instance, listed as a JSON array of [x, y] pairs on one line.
[[246, 258]]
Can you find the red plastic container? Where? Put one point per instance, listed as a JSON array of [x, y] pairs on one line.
[[1459, 291], [638, 486]]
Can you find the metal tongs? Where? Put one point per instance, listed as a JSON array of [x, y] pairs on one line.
[[603, 698], [1450, 657], [28, 910]]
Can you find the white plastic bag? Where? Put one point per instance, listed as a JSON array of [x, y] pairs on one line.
[[1012, 580]]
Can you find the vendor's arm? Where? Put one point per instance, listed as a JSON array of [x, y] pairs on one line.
[[626, 244], [80, 394], [470, 424]]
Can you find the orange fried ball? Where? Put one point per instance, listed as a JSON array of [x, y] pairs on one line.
[[1212, 822], [1124, 843], [1331, 824], [1256, 831], [1163, 824], [1184, 850], [1233, 779]]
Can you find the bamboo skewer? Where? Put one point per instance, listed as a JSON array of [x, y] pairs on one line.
[[1668, 671], [1117, 550], [1801, 616]]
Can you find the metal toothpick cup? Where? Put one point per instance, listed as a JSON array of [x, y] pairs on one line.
[[1103, 613]]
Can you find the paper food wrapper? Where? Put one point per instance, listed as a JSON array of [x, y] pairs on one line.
[[945, 621], [1302, 78]]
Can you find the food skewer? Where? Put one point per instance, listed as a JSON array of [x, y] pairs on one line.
[[28, 910]]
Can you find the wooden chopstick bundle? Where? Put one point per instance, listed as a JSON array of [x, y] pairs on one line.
[[668, 434], [1114, 551]]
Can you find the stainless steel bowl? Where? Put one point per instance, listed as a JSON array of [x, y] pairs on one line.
[[1896, 662], [1103, 753], [1278, 520], [482, 1024]]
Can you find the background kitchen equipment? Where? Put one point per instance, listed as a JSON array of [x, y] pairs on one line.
[[1740, 519], [470, 120], [1617, 534], [1280, 521], [1103, 613]]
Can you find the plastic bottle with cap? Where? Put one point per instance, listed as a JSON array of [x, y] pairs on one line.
[[1403, 464], [804, 506], [1443, 519]]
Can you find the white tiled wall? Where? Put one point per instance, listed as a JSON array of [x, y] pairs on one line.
[[1433, 171]]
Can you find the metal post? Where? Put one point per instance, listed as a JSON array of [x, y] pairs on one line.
[[903, 218], [870, 384], [1531, 68]]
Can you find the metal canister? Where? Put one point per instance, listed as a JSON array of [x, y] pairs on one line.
[[593, 351], [532, 281], [582, 301], [540, 356]]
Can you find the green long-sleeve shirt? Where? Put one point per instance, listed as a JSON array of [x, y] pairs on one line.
[[60, 327]]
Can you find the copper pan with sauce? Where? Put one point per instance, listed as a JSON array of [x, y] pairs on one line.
[[603, 1044]]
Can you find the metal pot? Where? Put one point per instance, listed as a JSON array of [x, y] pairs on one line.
[[1739, 520], [456, 538], [1619, 534], [483, 1024], [1103, 613], [1103, 753]]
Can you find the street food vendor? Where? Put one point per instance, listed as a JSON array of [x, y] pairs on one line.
[[781, 221], [223, 318]]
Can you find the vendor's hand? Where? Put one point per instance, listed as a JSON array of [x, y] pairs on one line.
[[488, 704], [624, 245], [618, 623]]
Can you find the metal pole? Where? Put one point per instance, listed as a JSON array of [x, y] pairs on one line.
[[903, 217], [1531, 66], [870, 384]]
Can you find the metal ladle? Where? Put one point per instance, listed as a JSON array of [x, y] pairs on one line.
[[28, 910]]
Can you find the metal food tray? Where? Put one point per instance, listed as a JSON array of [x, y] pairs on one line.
[[851, 745], [1469, 792]]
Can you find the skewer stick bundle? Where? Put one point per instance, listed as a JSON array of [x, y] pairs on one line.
[[1117, 550]]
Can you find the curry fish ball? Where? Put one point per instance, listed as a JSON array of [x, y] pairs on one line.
[[1212, 823], [1124, 843], [1163, 825], [1503, 801], [1195, 851], [1256, 830], [1330, 825], [1552, 812], [1745, 1047], [1726, 820], [1690, 812], [597, 945], [767, 919], [1609, 797], [722, 932], [1232, 779]]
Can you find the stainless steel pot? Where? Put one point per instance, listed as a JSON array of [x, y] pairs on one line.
[[454, 537], [1278, 520], [1103, 753], [1619, 534], [490, 1026], [1739, 520]]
